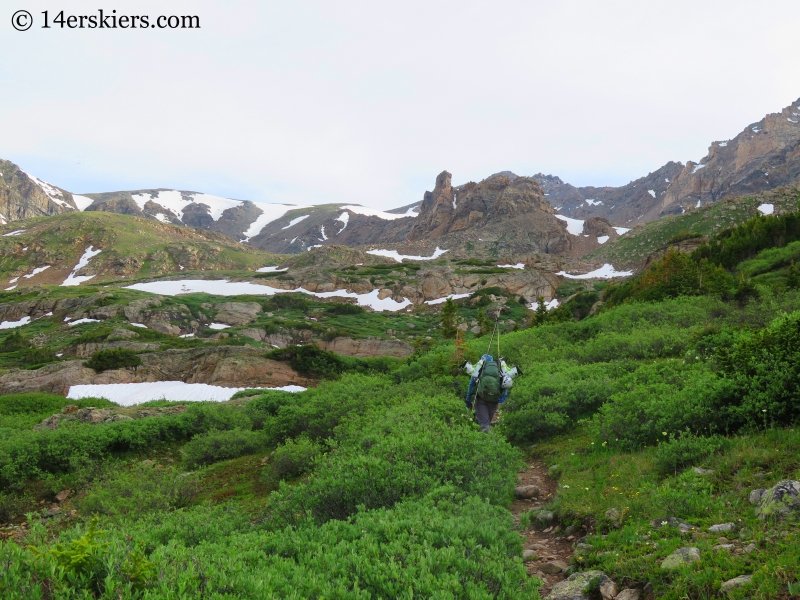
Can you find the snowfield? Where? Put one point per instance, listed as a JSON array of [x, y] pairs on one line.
[[400, 257], [605, 272], [130, 394], [451, 297], [236, 288], [371, 212], [574, 226]]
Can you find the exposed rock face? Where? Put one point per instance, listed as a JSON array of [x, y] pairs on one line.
[[622, 205], [367, 348], [231, 366], [23, 196], [237, 313], [764, 156]]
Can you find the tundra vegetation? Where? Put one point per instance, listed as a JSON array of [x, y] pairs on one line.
[[666, 403]]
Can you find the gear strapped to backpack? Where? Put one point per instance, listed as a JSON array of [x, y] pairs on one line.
[[489, 387]]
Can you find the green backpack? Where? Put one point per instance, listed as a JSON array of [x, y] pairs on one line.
[[489, 382]]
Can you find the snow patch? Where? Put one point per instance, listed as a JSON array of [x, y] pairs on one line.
[[130, 394], [344, 218], [49, 190], [13, 324], [322, 231], [72, 278], [574, 226], [82, 321], [697, 167], [271, 270], [36, 271], [235, 288], [294, 222], [766, 209], [371, 212], [652, 193], [547, 305], [791, 120], [605, 272], [621, 230], [82, 202], [451, 297], [142, 325], [219, 326], [399, 257], [593, 202], [602, 239], [516, 266], [723, 144], [17, 232]]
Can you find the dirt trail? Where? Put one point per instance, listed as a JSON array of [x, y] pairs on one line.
[[550, 542]]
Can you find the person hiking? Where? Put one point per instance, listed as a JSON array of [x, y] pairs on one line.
[[489, 386]]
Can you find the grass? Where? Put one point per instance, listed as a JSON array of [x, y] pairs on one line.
[[593, 479]]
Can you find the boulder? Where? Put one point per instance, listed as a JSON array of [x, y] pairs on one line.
[[756, 495], [529, 555], [734, 583], [681, 557], [629, 594], [721, 527], [526, 491], [614, 516], [578, 586], [63, 495], [554, 567], [701, 471], [164, 327], [750, 548], [237, 313], [724, 547], [780, 500]]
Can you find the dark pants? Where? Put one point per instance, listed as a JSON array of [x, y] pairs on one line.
[[484, 411]]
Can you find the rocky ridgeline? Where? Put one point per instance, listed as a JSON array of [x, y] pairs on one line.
[[23, 197], [765, 155]]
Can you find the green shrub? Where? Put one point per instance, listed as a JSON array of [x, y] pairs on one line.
[[685, 450], [38, 356], [14, 341], [398, 459], [763, 370], [117, 358], [342, 308], [295, 301], [138, 490], [291, 459], [215, 446]]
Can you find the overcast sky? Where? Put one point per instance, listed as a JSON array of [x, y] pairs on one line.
[[367, 101]]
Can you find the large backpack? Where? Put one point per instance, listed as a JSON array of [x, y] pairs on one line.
[[489, 382]]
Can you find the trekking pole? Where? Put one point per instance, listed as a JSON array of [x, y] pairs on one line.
[[491, 339]]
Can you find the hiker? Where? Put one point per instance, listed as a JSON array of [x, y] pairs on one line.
[[489, 386]]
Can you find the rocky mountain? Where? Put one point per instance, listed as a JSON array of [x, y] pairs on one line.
[[765, 155], [23, 196]]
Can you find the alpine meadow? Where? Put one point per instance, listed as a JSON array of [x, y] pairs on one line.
[[308, 382]]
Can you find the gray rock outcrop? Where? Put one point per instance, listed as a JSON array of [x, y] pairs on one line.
[[781, 500]]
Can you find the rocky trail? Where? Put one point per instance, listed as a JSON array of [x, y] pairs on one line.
[[548, 547]]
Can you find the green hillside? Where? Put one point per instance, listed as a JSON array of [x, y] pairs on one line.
[[132, 247], [635, 246]]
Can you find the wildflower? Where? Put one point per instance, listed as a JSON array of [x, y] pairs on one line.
[[663, 433], [763, 410]]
